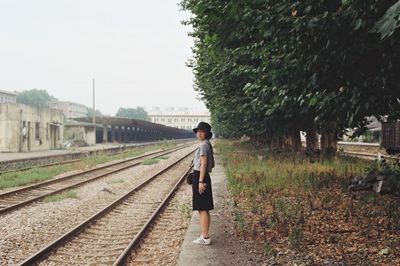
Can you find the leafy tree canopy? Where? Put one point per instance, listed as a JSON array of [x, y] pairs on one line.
[[35, 97], [134, 113]]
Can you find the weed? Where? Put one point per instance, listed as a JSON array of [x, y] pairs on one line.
[[268, 249], [150, 161], [186, 208], [71, 194], [369, 198], [38, 174], [249, 175], [116, 181], [239, 219], [295, 237]]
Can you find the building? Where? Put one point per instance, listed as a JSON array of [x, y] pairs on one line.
[[182, 118], [124, 130], [8, 97], [27, 128], [70, 109], [79, 133]]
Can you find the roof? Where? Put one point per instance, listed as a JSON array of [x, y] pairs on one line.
[[78, 104], [72, 123], [120, 121], [178, 114], [8, 92]]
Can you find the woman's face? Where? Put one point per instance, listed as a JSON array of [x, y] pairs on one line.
[[201, 134]]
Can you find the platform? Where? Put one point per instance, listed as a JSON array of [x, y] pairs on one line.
[[4, 157], [226, 248]]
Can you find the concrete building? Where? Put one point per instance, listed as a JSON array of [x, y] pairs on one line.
[[7, 97], [182, 118], [80, 133], [70, 109], [27, 128]]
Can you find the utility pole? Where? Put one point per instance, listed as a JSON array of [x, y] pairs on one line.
[[94, 104]]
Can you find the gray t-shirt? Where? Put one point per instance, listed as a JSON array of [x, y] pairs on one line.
[[205, 148]]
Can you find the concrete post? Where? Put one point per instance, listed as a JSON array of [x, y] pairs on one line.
[[105, 133], [112, 133], [120, 134]]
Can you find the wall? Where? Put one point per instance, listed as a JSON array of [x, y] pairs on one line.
[[7, 98], [86, 134], [187, 122], [70, 110], [44, 128]]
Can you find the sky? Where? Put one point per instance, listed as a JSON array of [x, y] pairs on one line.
[[135, 50]]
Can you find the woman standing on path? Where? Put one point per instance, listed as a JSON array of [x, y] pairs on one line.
[[202, 199]]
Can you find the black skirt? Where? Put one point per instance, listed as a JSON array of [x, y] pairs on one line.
[[203, 201]]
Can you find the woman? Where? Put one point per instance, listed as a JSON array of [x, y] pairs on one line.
[[202, 199]]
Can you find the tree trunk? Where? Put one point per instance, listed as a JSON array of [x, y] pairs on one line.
[[311, 139], [329, 139], [277, 142], [296, 140]]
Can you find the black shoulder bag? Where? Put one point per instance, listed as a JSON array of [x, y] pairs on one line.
[[190, 176]]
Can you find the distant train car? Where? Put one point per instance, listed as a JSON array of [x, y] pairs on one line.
[[391, 137]]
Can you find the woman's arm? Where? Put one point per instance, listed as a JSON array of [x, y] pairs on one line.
[[203, 168]]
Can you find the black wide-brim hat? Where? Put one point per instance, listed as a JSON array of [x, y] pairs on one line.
[[203, 126]]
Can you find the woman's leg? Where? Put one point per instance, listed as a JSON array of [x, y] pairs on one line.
[[205, 222], [201, 221]]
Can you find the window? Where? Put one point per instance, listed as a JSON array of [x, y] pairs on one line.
[[169, 120], [47, 131], [37, 130], [182, 119]]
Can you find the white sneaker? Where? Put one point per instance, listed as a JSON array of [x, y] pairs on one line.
[[202, 241]]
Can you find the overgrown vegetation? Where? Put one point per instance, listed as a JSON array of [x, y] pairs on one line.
[[150, 161], [286, 203], [116, 181], [70, 194], [253, 171], [186, 208]]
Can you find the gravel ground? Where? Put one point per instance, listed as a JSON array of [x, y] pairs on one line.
[[162, 244], [26, 230], [103, 242]]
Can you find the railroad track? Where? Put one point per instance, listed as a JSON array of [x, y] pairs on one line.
[[369, 156], [81, 155], [20, 197], [44, 165], [109, 236]]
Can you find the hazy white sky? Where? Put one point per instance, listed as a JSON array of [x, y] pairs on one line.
[[135, 50]]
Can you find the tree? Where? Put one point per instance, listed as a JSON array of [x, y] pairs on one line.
[[90, 112], [134, 113], [389, 22], [35, 97], [270, 68]]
